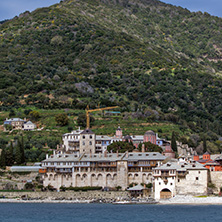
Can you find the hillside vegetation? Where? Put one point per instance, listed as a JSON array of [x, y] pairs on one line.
[[160, 61]]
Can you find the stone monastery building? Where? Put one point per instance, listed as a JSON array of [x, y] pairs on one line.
[[180, 178], [85, 161], [105, 170]]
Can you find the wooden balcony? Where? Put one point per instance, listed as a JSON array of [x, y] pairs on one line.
[[132, 170], [181, 174]]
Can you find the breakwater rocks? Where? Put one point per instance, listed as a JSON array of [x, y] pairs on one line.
[[115, 197]]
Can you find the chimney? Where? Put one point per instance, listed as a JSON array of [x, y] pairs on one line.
[[105, 153], [117, 153], [144, 185], [47, 156], [127, 154], [99, 155], [143, 148], [54, 152]]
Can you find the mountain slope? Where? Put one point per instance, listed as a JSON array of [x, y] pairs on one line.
[[139, 54]]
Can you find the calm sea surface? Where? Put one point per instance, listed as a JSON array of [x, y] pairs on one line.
[[17, 212]]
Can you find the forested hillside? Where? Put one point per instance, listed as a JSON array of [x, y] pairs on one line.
[[145, 56]]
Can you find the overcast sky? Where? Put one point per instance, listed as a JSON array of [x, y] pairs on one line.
[[11, 8]]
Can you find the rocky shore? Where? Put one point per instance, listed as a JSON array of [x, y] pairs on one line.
[[118, 197]]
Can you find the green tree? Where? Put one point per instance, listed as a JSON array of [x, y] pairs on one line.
[[29, 186], [34, 115], [22, 150], [17, 155], [12, 113], [81, 120], [121, 147], [8, 127], [150, 147], [173, 142], [62, 119], [3, 158], [10, 155]]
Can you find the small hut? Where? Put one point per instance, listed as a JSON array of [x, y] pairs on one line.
[[139, 191]]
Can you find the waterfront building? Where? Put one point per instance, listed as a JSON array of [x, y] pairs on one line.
[[139, 191], [180, 178], [105, 170]]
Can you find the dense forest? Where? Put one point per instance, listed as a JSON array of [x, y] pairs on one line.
[[159, 61]]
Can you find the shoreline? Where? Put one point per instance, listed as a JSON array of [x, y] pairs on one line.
[[178, 200], [192, 200]]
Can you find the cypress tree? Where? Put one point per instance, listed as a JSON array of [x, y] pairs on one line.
[[204, 145], [3, 159], [173, 142], [18, 154], [22, 150], [11, 155]]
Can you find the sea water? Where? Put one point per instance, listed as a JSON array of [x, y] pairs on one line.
[[39, 212]]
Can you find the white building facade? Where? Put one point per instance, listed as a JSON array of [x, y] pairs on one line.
[[104, 170], [180, 178]]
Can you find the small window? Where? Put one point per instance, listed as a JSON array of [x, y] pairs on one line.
[[171, 184], [178, 180], [83, 137], [90, 143], [90, 136], [159, 183], [197, 178]]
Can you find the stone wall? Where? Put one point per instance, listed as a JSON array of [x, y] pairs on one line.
[[216, 178], [195, 183], [69, 195]]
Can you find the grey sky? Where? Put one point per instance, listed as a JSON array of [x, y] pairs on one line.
[[11, 8]]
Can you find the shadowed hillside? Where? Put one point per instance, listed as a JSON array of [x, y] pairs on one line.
[[140, 55]]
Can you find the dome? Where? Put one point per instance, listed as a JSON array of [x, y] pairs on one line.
[[150, 132]]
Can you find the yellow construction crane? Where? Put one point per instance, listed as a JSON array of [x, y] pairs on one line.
[[94, 110]]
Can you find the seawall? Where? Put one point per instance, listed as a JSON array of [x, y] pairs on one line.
[[68, 195]]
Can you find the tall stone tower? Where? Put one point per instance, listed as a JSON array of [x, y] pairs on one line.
[[122, 174], [87, 142]]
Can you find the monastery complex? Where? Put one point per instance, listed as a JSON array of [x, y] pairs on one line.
[[83, 160]]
